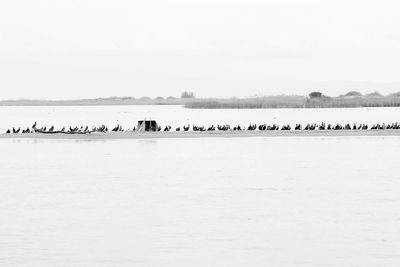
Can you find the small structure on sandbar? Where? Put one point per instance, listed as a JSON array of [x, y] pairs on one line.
[[147, 126]]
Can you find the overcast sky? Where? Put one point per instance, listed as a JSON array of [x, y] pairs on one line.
[[54, 49]]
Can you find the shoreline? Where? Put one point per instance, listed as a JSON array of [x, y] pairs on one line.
[[216, 134]]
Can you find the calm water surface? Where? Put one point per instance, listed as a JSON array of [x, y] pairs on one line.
[[326, 201]]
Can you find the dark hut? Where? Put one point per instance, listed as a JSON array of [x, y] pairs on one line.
[[147, 125]]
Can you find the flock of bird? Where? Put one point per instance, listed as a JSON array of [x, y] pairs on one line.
[[252, 127]]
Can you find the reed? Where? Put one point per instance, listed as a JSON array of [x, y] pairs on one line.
[[295, 102]]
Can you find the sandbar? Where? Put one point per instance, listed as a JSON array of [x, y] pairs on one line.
[[207, 134]]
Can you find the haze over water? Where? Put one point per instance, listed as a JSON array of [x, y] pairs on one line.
[[329, 201]]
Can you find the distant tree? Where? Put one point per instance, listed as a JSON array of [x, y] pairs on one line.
[[353, 93], [315, 95], [171, 97], [373, 94], [395, 94], [187, 94], [146, 98], [159, 98], [127, 98]]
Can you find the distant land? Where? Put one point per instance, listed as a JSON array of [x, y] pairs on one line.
[[352, 99], [109, 101]]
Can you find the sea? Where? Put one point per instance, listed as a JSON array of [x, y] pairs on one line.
[[245, 201]]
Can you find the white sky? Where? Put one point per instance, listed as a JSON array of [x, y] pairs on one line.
[[54, 49]]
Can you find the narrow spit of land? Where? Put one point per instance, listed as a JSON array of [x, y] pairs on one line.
[[222, 134]]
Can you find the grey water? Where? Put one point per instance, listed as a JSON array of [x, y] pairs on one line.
[[259, 201]]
